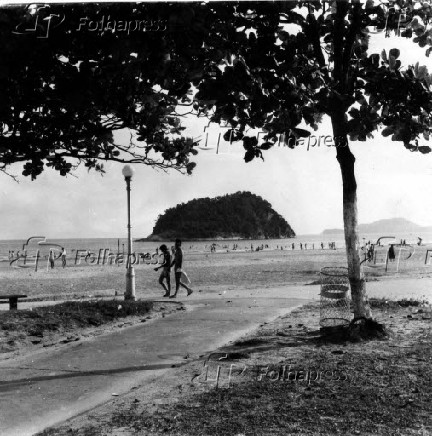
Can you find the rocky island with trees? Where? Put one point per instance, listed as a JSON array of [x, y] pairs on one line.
[[242, 215]]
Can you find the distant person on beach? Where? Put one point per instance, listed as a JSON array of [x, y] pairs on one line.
[[370, 253], [301, 246], [63, 257], [178, 271], [391, 253], [51, 258], [419, 240], [166, 269]]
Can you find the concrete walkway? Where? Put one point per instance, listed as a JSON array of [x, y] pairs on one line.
[[50, 386]]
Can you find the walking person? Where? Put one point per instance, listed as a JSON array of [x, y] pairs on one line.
[[178, 271], [63, 257], [370, 253], [51, 258], [166, 270], [391, 253]]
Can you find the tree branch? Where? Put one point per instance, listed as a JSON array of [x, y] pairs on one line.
[[313, 31], [338, 40], [351, 37]]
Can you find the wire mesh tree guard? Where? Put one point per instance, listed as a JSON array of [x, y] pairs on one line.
[[335, 303]]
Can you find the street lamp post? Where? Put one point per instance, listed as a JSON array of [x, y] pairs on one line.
[[130, 273]]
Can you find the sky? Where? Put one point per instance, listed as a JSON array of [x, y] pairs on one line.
[[304, 186]]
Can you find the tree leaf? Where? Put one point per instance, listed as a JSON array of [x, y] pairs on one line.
[[374, 58], [266, 145], [249, 142], [387, 131], [424, 149], [300, 132], [395, 52], [249, 155]]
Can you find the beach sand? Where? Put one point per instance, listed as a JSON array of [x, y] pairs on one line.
[[211, 273]]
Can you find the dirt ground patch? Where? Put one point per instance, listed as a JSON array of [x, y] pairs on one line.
[[286, 378], [24, 331]]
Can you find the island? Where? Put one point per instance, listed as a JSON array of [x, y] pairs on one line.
[[242, 215]]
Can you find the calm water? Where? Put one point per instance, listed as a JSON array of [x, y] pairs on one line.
[[115, 245]]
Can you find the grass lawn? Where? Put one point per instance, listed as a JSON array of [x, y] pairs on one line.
[[43, 326]]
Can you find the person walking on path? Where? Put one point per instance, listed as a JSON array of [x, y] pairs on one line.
[[166, 270], [178, 271], [391, 253], [63, 257], [51, 258]]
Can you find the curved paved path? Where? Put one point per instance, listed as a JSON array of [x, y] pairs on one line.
[[48, 387]]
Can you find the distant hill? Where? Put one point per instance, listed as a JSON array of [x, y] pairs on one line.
[[332, 231], [386, 226], [242, 215]]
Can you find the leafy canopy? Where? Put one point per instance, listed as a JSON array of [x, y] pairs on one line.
[[264, 65], [63, 96], [285, 63]]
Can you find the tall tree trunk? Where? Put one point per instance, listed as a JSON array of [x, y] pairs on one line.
[[346, 162]]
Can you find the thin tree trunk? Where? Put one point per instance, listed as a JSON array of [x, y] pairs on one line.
[[346, 162]]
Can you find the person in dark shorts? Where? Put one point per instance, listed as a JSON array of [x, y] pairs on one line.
[[178, 271], [391, 253], [166, 270]]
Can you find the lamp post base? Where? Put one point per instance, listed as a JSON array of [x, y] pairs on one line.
[[130, 284]]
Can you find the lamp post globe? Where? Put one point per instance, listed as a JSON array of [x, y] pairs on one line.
[[127, 171], [129, 294]]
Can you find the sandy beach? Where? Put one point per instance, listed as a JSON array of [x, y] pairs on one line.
[[210, 273]]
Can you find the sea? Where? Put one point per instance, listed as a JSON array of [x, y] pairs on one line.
[[119, 245]]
